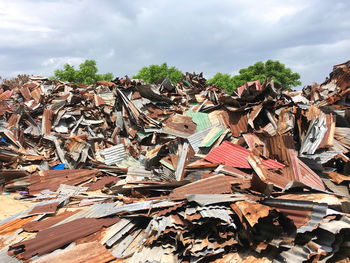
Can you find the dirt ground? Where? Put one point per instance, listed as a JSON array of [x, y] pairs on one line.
[[10, 206]]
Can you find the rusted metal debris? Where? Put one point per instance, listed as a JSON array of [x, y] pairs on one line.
[[126, 171]]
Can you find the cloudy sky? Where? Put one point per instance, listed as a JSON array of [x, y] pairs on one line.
[[37, 37]]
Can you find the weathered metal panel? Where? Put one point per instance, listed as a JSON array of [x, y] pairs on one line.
[[201, 119], [231, 154], [114, 154]]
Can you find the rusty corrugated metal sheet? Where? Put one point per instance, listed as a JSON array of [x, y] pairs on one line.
[[251, 211], [49, 208], [14, 225], [238, 123], [6, 95], [36, 94], [51, 179], [328, 138], [278, 147], [254, 85], [101, 182], [304, 214], [179, 125], [46, 122], [217, 184], [91, 252], [234, 155], [26, 93], [35, 226], [55, 237], [337, 177], [13, 120], [310, 178]]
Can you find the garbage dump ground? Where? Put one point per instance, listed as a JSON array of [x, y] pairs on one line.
[[126, 171]]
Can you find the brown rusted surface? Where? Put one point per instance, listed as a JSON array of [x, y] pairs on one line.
[[252, 212], [337, 177], [179, 124], [6, 95], [14, 225], [46, 122], [183, 194], [88, 253], [238, 123], [101, 182], [218, 184], [35, 226], [36, 94], [13, 121], [51, 179], [328, 139], [58, 236], [9, 175], [106, 83], [26, 93], [44, 209]]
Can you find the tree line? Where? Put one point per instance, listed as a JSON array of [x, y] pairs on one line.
[[87, 73]]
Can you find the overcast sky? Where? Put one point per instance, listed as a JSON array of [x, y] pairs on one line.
[[37, 37]]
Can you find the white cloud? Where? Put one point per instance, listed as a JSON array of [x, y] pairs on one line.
[[210, 36]]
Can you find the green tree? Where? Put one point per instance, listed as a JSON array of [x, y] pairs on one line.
[[222, 81], [154, 73], [259, 71], [87, 73]]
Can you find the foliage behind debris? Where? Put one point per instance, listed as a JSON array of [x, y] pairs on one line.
[[86, 74], [154, 73], [259, 71]]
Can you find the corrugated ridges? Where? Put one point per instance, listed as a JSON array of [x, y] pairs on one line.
[[114, 154], [200, 118], [234, 155]]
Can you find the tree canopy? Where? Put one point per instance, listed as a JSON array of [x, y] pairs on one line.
[[259, 71], [86, 74], [154, 73]]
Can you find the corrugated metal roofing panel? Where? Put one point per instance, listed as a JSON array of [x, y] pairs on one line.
[[208, 199], [49, 208], [200, 118], [222, 213], [139, 172], [305, 214], [94, 211], [55, 237], [123, 230], [196, 139], [309, 177], [154, 254], [234, 155], [129, 244], [114, 154], [35, 226], [217, 184], [212, 136], [238, 123], [87, 252], [52, 179], [314, 136]]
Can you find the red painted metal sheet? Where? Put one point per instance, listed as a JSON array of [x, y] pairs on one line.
[[234, 155]]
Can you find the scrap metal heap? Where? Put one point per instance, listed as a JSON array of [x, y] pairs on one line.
[[126, 171]]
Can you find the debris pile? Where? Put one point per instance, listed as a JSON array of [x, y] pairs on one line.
[[126, 171]]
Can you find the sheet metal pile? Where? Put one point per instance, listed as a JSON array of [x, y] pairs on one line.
[[126, 171]]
